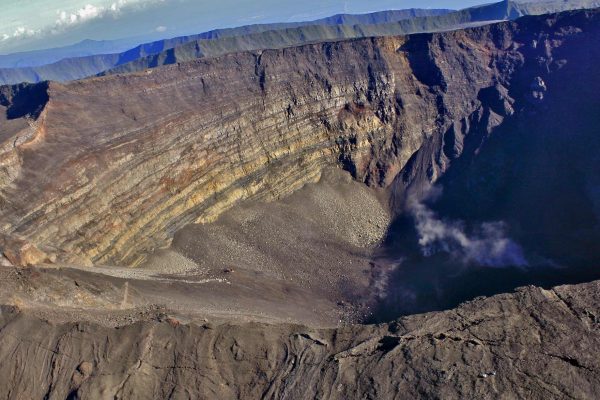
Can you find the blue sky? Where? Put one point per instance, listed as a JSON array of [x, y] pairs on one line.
[[34, 24]]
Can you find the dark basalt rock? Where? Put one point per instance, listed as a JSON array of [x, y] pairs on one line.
[[534, 343]]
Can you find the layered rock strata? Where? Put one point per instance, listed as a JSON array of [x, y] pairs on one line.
[[105, 170]]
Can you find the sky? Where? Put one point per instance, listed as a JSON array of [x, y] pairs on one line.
[[37, 24]]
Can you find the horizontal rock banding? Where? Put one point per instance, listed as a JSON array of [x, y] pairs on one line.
[[120, 163]]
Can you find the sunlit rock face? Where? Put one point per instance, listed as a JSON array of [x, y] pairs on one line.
[[106, 169]]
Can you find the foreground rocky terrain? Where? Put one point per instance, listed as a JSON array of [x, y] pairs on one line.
[[532, 344], [219, 228]]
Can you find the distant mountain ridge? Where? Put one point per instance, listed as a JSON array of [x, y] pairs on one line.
[[379, 17], [90, 57], [504, 10], [85, 48], [279, 35], [90, 47]]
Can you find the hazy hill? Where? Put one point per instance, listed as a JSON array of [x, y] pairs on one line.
[[266, 36], [315, 33], [90, 57], [82, 49]]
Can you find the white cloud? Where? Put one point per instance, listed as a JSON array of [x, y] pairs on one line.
[[161, 28], [66, 19], [19, 32], [88, 12]]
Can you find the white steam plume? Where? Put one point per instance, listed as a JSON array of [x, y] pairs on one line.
[[486, 246]]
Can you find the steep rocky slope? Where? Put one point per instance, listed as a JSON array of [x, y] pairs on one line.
[[90, 175], [515, 197], [303, 259], [531, 344]]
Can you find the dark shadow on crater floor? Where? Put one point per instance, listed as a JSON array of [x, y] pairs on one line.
[[422, 284], [537, 173], [24, 99]]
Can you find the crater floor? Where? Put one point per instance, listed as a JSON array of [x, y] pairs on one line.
[[302, 259]]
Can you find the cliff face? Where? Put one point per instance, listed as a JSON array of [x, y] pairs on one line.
[[519, 174], [519, 345], [111, 167], [124, 161]]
